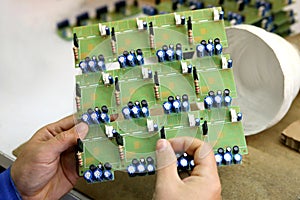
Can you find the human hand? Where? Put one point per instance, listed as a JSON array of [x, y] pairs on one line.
[[46, 165], [204, 182]]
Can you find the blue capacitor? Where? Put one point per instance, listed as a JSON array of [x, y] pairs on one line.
[[185, 106], [221, 15], [200, 49], [141, 169], [227, 100], [167, 107], [84, 67], [104, 118], [227, 158], [160, 55], [150, 169], [135, 112], [98, 174], [126, 113], [122, 61], [107, 175], [155, 127], [88, 176], [92, 64], [183, 163], [208, 102], [219, 159], [85, 117], [237, 158], [218, 101], [190, 68], [94, 118], [218, 49], [197, 122], [239, 116], [111, 80], [101, 65], [139, 60], [176, 106], [170, 55], [131, 170], [145, 112], [178, 54], [210, 49], [107, 31], [229, 63], [131, 60]]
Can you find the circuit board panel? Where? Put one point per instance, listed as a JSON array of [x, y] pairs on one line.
[[118, 139]]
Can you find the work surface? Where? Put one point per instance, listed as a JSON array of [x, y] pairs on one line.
[[269, 171]]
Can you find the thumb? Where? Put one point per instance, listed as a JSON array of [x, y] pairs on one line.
[[67, 139], [166, 163]]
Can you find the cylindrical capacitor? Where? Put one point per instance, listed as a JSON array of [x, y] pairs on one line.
[[178, 46], [237, 158], [122, 61], [94, 118], [139, 60], [92, 64], [104, 109], [167, 107], [160, 55], [150, 74], [107, 175], [104, 118], [200, 49], [131, 170], [150, 160], [228, 149], [110, 80], [131, 60], [144, 103], [190, 68], [107, 31], [85, 117], [211, 93], [235, 149], [208, 102], [145, 26], [239, 116], [197, 122], [98, 174], [84, 67], [217, 41], [221, 15], [165, 48], [185, 97], [227, 101], [218, 101], [182, 20], [155, 127], [130, 105], [219, 159], [145, 112], [229, 63], [126, 112], [203, 42], [141, 169], [170, 99], [135, 112], [210, 49], [150, 169], [227, 158], [170, 55], [178, 54], [226, 92], [210, 41], [176, 106], [88, 176], [185, 106], [137, 104], [221, 151], [101, 65], [171, 46], [218, 49], [183, 163], [139, 52]]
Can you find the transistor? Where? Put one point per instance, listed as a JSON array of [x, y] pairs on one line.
[[162, 133], [204, 128]]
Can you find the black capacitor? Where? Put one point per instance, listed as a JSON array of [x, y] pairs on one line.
[[171, 46], [226, 92], [145, 26], [170, 99], [144, 103], [174, 5], [189, 23], [178, 46], [177, 97], [203, 42], [228, 149], [217, 41], [92, 167], [107, 31], [132, 52], [241, 5], [137, 104], [63, 24], [221, 2], [235, 149], [107, 166], [135, 162], [111, 80], [149, 160], [219, 92], [185, 97], [182, 20], [87, 59], [221, 151], [97, 110], [90, 111], [104, 109], [101, 58], [143, 161], [125, 53], [204, 128], [211, 93], [139, 52], [130, 105], [79, 145], [210, 41], [164, 48]]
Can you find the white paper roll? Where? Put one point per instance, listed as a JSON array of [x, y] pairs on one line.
[[267, 75]]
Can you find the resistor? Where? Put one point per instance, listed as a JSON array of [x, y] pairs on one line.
[[151, 35], [76, 45], [197, 88], [190, 30], [113, 41], [156, 92], [121, 152], [79, 157], [117, 95], [75, 51], [78, 101]]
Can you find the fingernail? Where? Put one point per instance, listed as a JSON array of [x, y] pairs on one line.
[[82, 130], [161, 145]]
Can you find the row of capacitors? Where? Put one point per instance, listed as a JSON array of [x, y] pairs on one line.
[[169, 53], [98, 173], [209, 48], [185, 162], [217, 99], [131, 58], [176, 105], [93, 64], [228, 156], [136, 109], [141, 167], [96, 116]]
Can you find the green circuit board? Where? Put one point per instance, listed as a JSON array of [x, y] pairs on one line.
[[116, 140]]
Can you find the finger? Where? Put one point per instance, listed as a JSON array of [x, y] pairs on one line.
[[67, 139], [166, 163], [204, 160], [61, 125]]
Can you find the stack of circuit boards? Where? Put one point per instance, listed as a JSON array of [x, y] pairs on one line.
[[267, 14], [154, 77]]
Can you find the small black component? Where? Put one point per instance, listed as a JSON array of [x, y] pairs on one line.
[[185, 97], [188, 55], [182, 20], [139, 52], [107, 166], [203, 42], [241, 5], [101, 58], [157, 2], [174, 5], [125, 53], [149, 160], [221, 151], [145, 26], [171, 99], [136, 3], [63, 24], [228, 149], [211, 93], [92, 167], [235, 149], [217, 41], [204, 128], [210, 41], [79, 145], [113, 35], [171, 46], [143, 161], [101, 11], [178, 46], [117, 86], [137, 104], [100, 166], [82, 17], [226, 92], [177, 97], [144, 103], [151, 28], [130, 105], [164, 48], [132, 52], [97, 110], [162, 133], [119, 6], [78, 91], [189, 23], [221, 2], [135, 162], [75, 40], [104, 109], [195, 75], [156, 78], [90, 111], [119, 140]]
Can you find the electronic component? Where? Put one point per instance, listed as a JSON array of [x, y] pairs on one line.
[[233, 115], [204, 128], [196, 80], [109, 131], [237, 158], [224, 62], [192, 121], [162, 133], [190, 30], [219, 159], [227, 158]]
